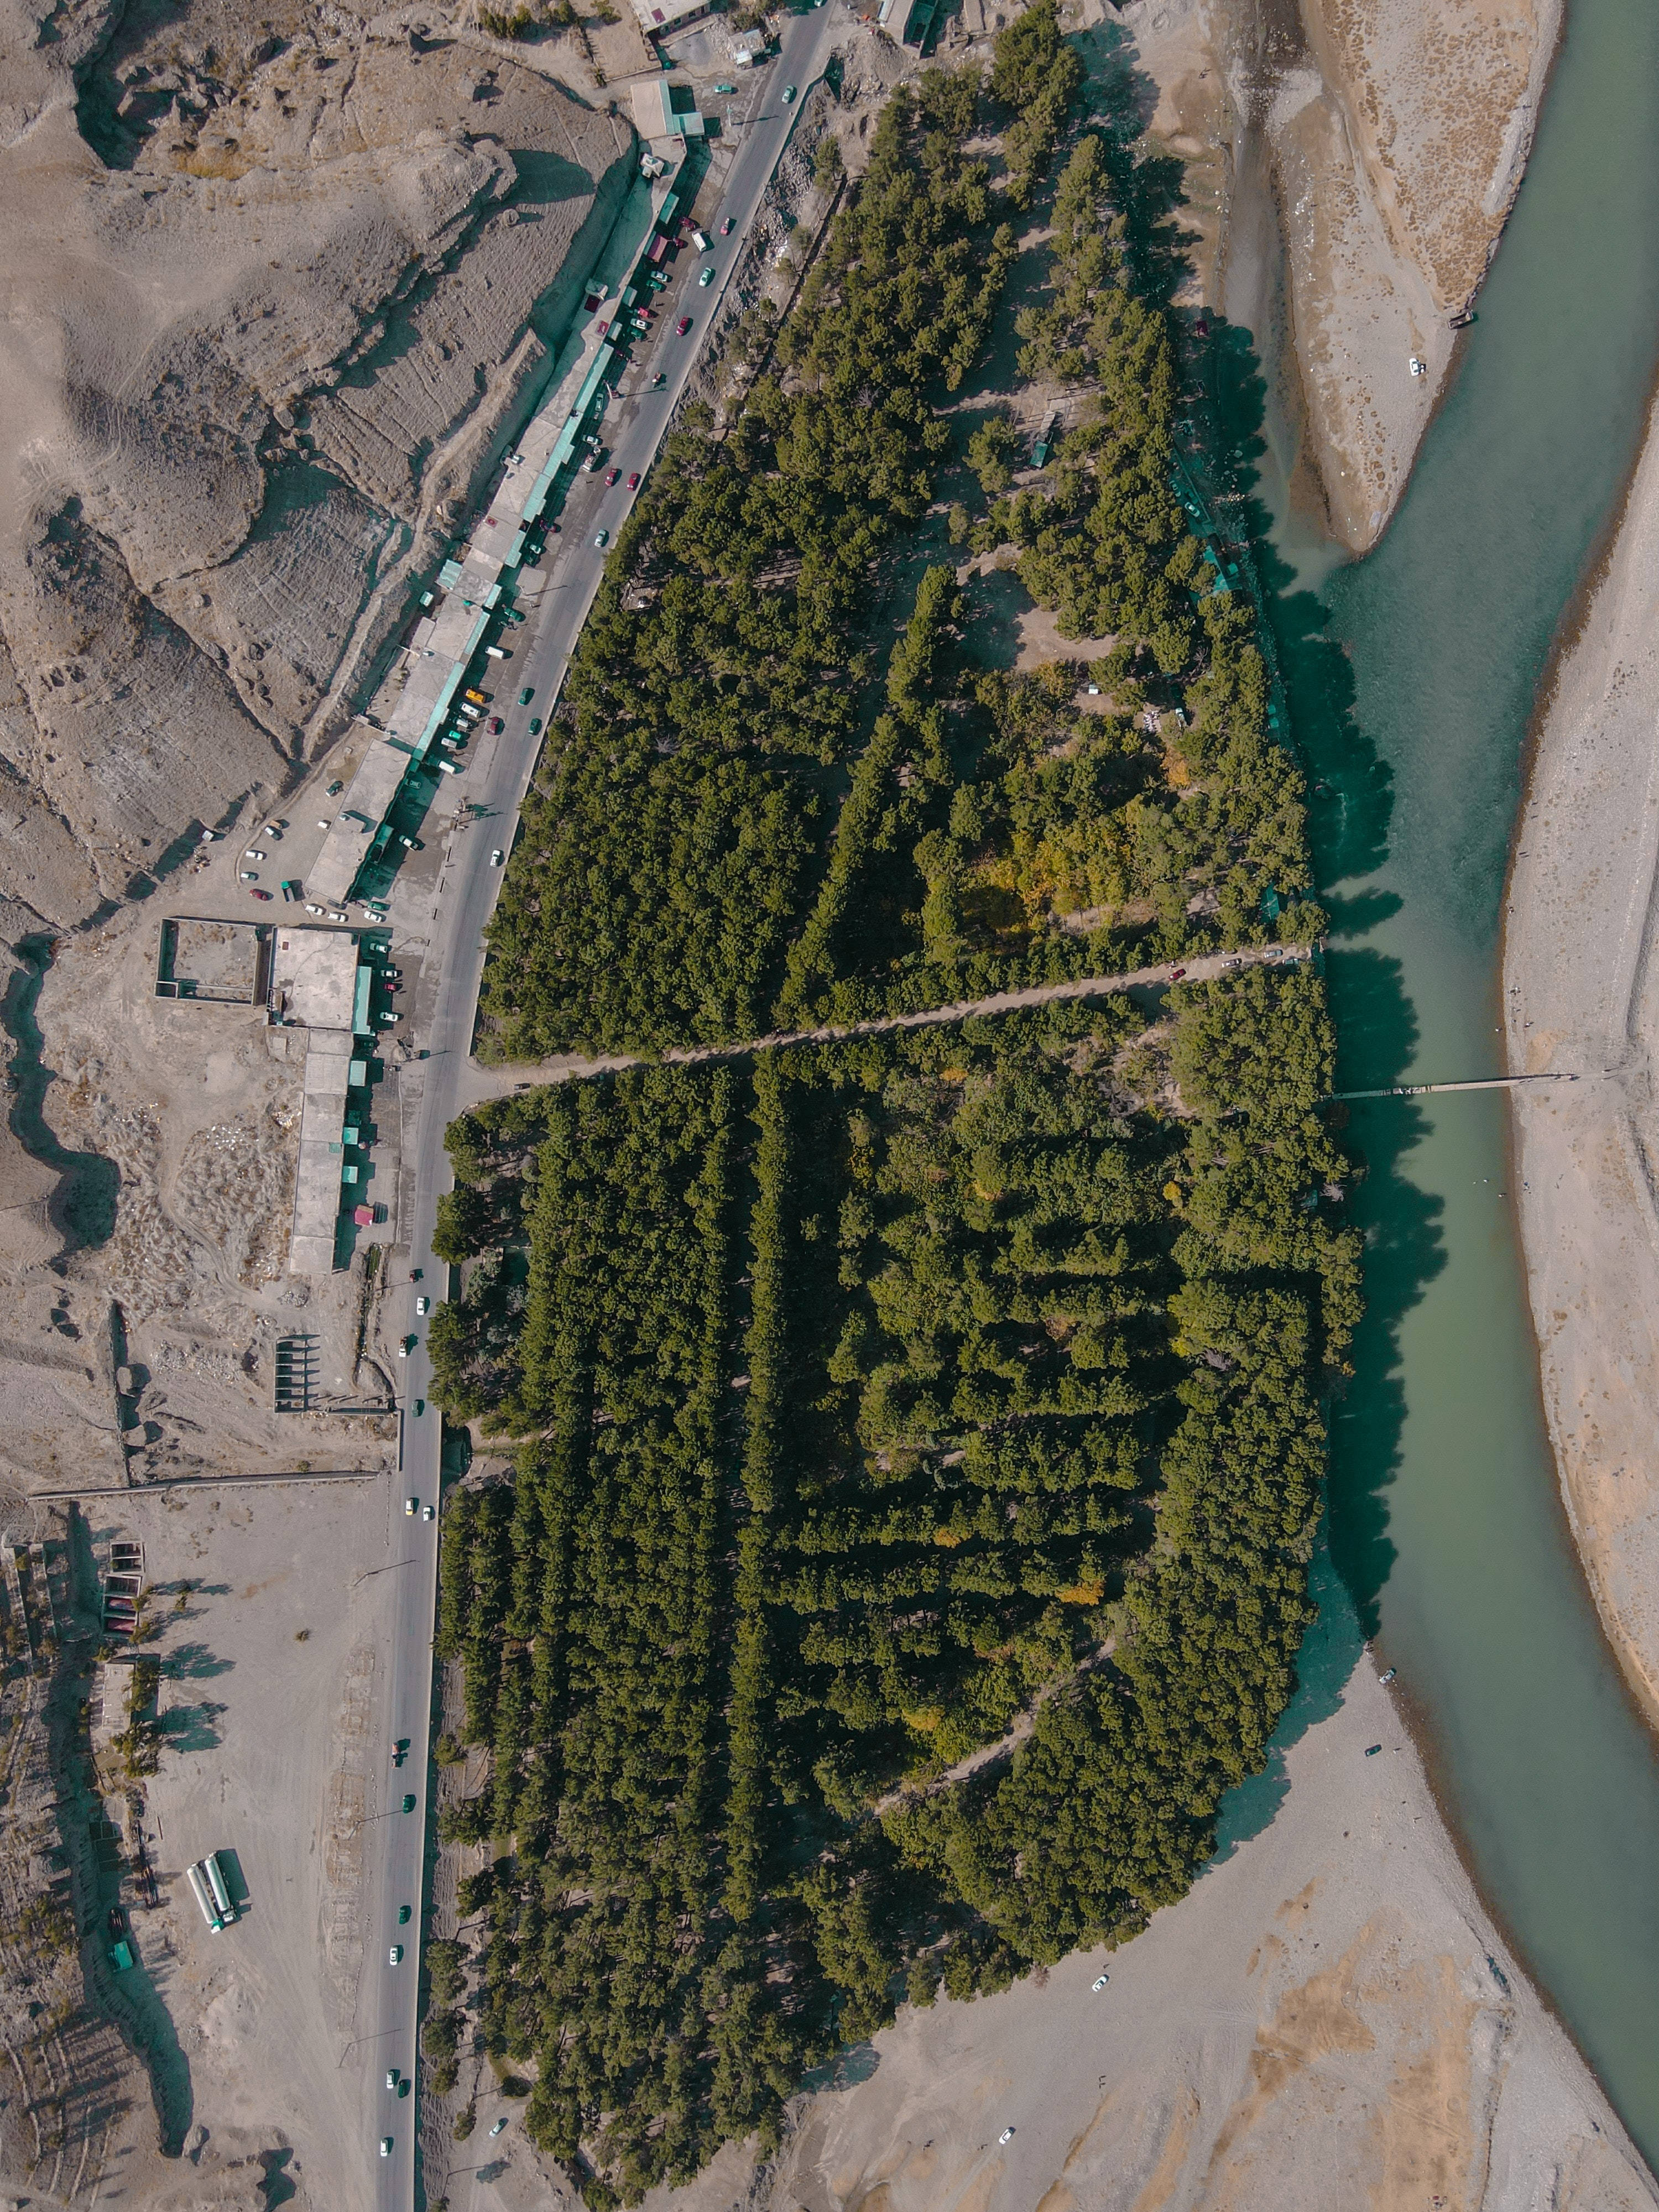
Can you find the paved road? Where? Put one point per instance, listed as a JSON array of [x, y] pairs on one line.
[[451, 973], [484, 1082]]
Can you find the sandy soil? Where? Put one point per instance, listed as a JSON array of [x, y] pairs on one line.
[[1330, 2019], [1581, 993], [1388, 140], [280, 1624]]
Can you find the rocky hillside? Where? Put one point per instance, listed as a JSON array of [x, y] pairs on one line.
[[277, 289]]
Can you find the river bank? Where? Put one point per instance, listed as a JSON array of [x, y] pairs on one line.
[[1349, 169], [1580, 992], [1331, 2018]]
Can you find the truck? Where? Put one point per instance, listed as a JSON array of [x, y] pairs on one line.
[[219, 1886], [198, 1882], [702, 240]]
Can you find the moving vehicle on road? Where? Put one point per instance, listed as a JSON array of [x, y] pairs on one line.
[[788, 93], [386, 2146], [731, 223], [528, 693], [408, 1800], [420, 1408], [395, 1956], [494, 726], [535, 725], [426, 1513], [403, 1916], [423, 1304], [411, 1505], [407, 1346], [497, 857], [707, 276], [682, 326], [391, 2077], [603, 539], [611, 476]]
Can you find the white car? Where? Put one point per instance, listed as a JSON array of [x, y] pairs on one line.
[[426, 1513], [1101, 1984], [391, 2077], [386, 2146], [497, 857], [251, 854], [423, 1304], [1007, 2136], [410, 1506], [500, 2123], [396, 1959], [313, 909]]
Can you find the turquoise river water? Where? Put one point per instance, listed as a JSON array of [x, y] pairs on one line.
[[1413, 674]]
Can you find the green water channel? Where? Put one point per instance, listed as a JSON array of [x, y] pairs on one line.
[[1413, 674]]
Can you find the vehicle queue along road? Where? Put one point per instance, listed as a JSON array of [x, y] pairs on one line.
[[494, 783]]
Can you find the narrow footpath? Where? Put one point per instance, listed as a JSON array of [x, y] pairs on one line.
[[482, 1081]]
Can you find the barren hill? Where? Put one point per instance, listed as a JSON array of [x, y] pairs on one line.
[[275, 284]]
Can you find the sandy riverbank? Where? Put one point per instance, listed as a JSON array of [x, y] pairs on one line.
[[1350, 165], [1581, 992], [1330, 2019]]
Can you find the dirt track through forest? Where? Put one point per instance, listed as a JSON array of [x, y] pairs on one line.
[[569, 1067]]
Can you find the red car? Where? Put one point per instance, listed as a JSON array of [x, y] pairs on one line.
[[265, 895], [611, 476], [727, 226], [1176, 974], [495, 725], [634, 481], [682, 326]]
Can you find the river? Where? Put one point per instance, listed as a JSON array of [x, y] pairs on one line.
[[1412, 675]]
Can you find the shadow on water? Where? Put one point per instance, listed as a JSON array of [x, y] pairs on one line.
[[1330, 1651], [82, 1207]]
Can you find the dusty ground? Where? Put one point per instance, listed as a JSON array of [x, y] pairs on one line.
[[1581, 993], [1329, 2021], [275, 294], [279, 1621], [190, 1107], [1386, 142]]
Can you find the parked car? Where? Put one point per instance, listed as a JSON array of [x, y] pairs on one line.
[[501, 2123], [265, 895], [495, 725], [611, 476], [634, 481], [682, 326]]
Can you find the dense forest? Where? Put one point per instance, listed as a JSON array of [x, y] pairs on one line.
[[917, 1438], [780, 785]]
